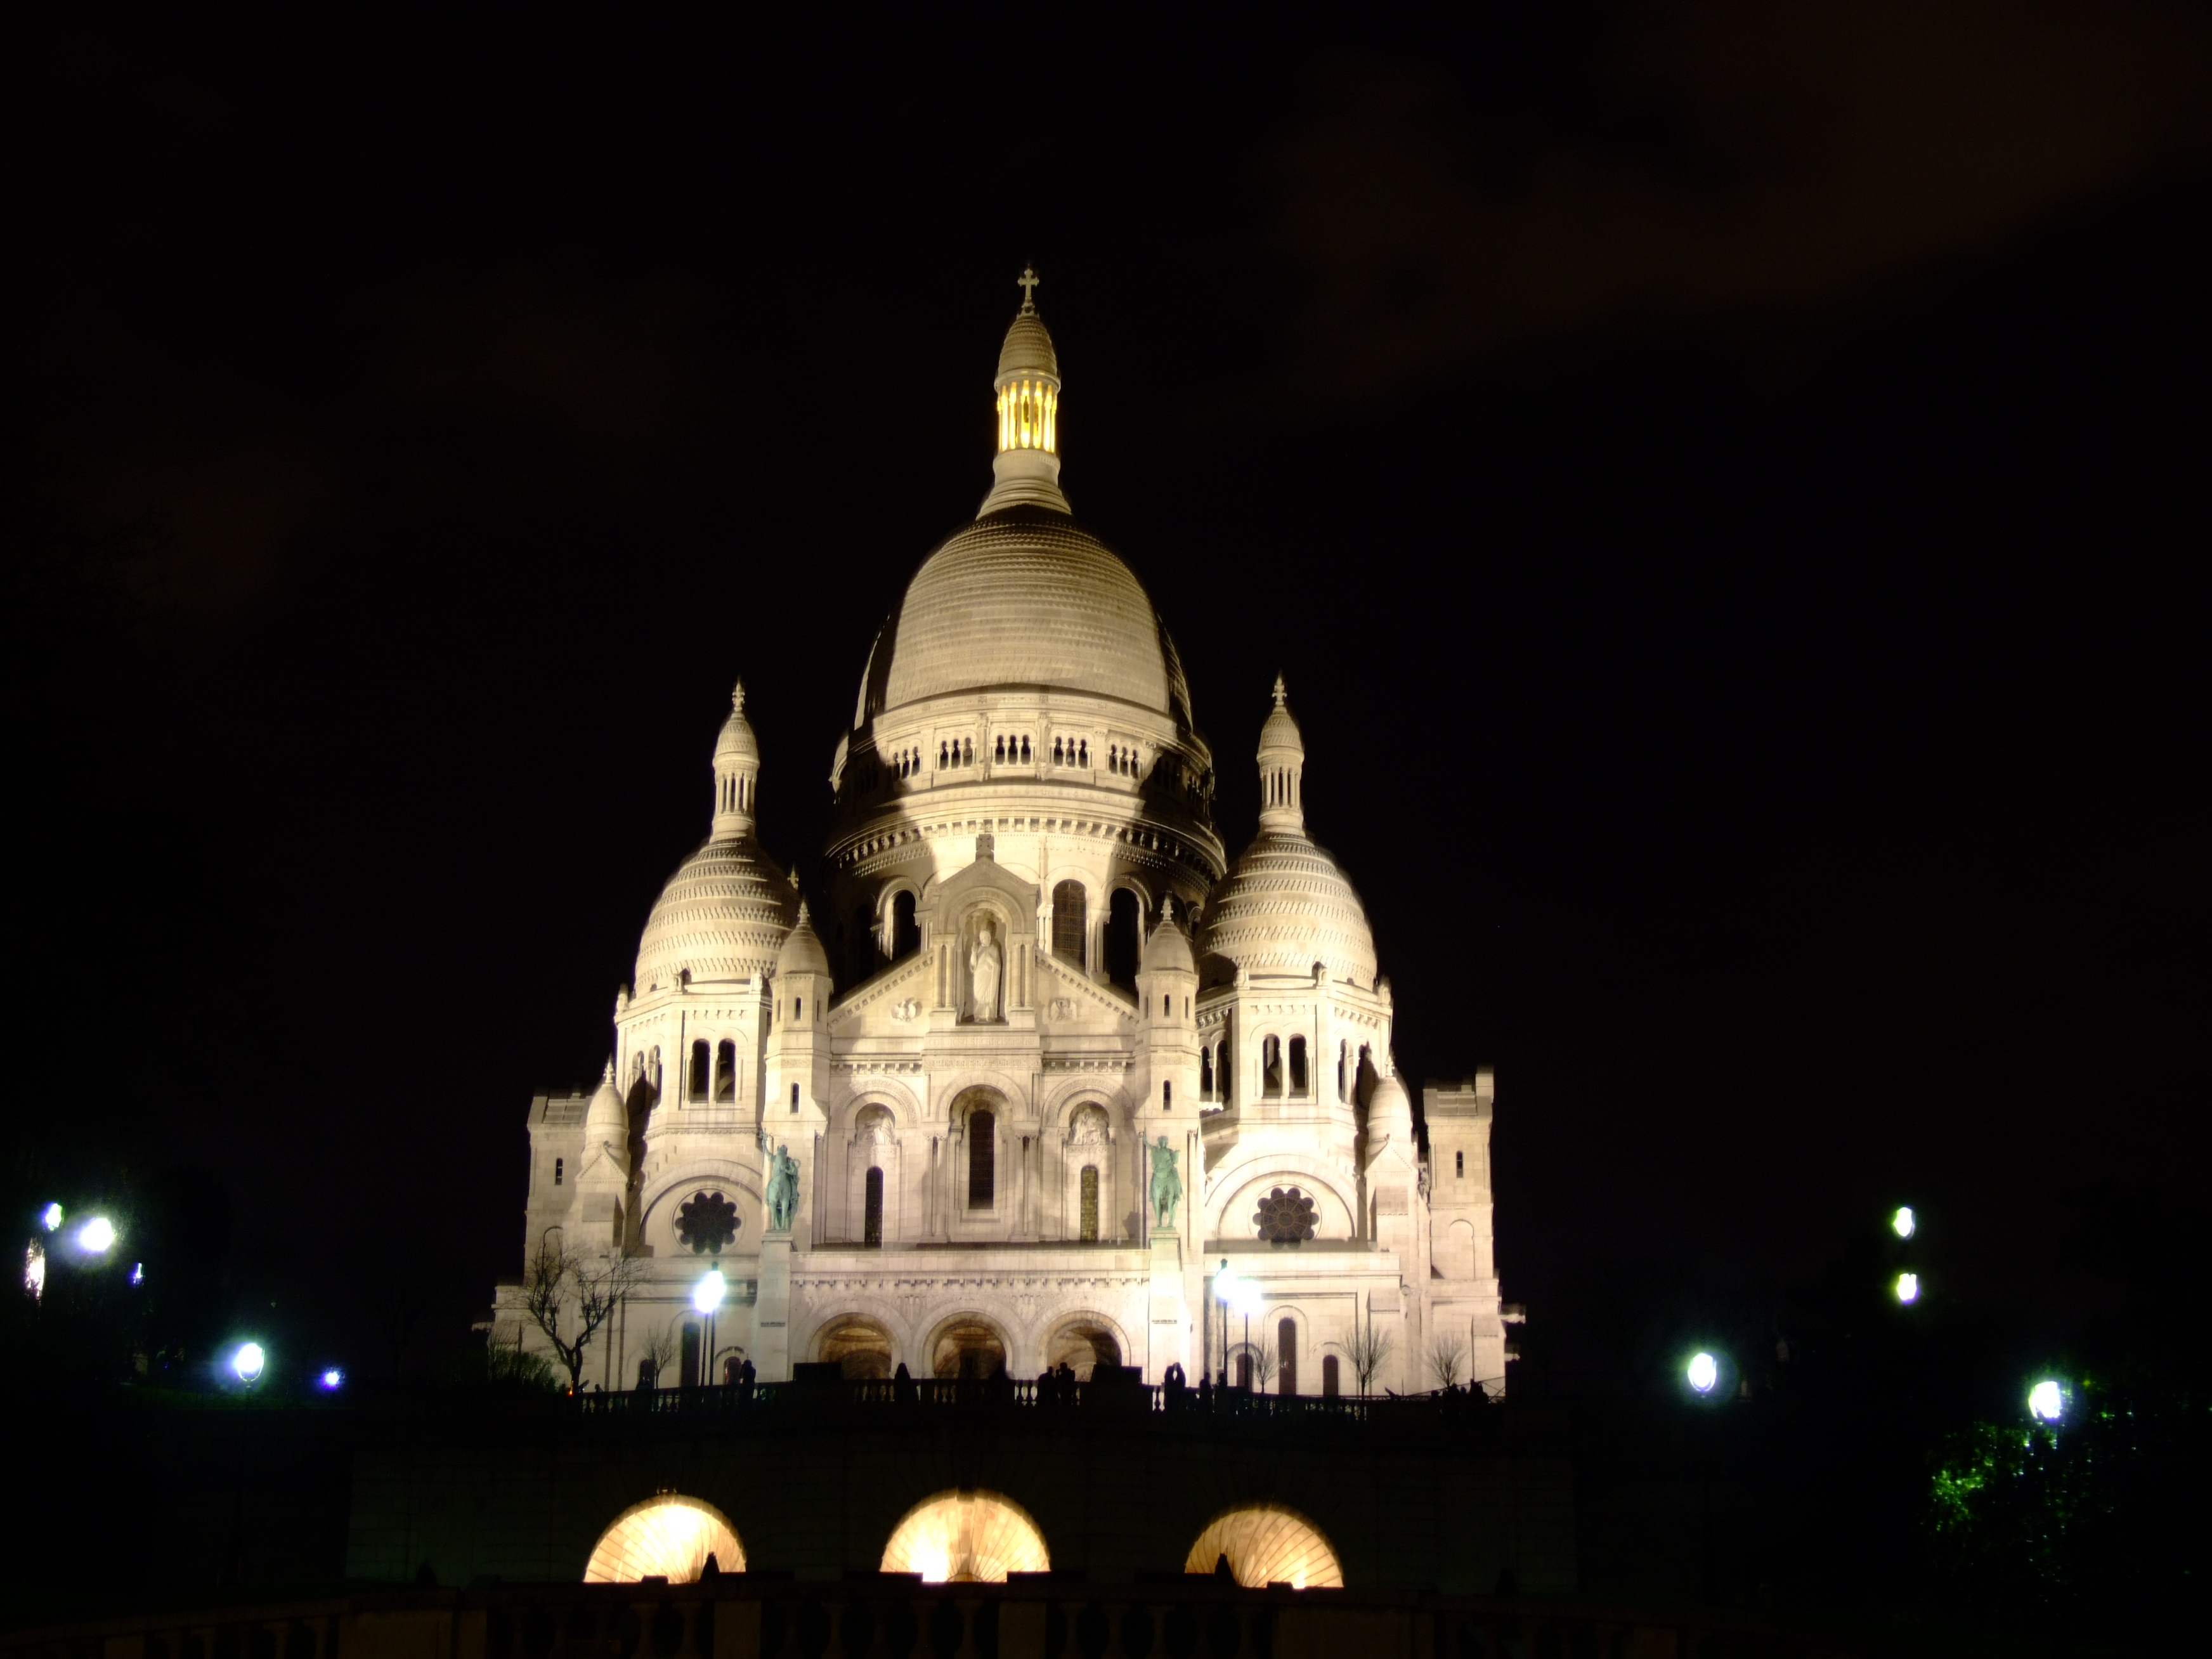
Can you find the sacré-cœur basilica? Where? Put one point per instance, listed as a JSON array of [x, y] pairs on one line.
[[1037, 1059]]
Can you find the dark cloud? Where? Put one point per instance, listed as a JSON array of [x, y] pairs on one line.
[[215, 471], [1736, 160]]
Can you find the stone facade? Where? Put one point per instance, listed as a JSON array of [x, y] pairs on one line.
[[1034, 984]]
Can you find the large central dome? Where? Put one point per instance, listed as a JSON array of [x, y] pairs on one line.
[[1025, 597]]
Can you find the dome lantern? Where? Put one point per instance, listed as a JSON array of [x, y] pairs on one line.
[[1282, 768], [737, 772], [1027, 466]]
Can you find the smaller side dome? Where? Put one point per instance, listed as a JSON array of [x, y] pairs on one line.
[[607, 1123], [802, 951], [1168, 951], [1390, 1109], [1282, 768]]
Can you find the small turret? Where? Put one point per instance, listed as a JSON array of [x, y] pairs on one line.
[[737, 773], [595, 1218], [1027, 466], [1282, 765]]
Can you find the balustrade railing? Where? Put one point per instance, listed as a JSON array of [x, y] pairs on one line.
[[1008, 1394]]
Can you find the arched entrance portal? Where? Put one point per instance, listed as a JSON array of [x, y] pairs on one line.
[[666, 1536], [860, 1346], [967, 1348], [966, 1537], [1267, 1543], [1082, 1344]]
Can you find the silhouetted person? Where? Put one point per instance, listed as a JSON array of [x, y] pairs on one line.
[[745, 1375], [648, 1374], [1206, 1391], [711, 1570], [1221, 1568], [904, 1390]]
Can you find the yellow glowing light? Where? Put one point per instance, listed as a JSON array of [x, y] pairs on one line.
[[668, 1536], [1267, 1543], [966, 1537], [96, 1235]]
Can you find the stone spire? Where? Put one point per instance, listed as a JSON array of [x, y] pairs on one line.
[[1027, 466], [1282, 764], [737, 773]]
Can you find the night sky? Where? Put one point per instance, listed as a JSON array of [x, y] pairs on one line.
[[1726, 491]]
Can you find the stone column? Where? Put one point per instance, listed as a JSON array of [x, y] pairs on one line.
[[1171, 1314], [771, 1353]]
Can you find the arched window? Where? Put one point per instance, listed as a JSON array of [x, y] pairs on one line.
[[999, 750], [794, 1096], [1206, 1073], [1069, 921], [1286, 1351], [1082, 751], [1224, 1071], [725, 1070], [1298, 1065], [1026, 750], [1124, 937], [560, 1168], [1343, 1049], [1271, 1066], [699, 1061], [967, 751], [1330, 1386], [906, 933], [982, 1159], [941, 760], [1089, 1227], [871, 1223], [1459, 1166]]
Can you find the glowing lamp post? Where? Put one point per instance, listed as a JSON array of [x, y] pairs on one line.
[[1908, 1288], [1703, 1373], [331, 1380], [51, 1218], [96, 1236], [2047, 1401], [248, 1362], [706, 1298], [1903, 1224]]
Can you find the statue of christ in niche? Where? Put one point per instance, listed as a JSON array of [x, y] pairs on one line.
[[983, 962]]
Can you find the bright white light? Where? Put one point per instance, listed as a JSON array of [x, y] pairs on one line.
[[34, 1269], [333, 1378], [1908, 1287], [1225, 1283], [248, 1361], [50, 1217], [1704, 1373], [707, 1295], [96, 1234], [2045, 1402], [137, 1273], [1902, 1223], [1245, 1296]]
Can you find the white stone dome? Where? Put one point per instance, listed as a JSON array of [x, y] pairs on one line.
[[1025, 597], [1284, 906], [723, 915], [802, 951]]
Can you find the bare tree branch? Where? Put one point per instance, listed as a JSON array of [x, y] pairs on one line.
[[562, 1286], [1447, 1358], [1369, 1350]]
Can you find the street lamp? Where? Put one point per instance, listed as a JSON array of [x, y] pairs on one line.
[[706, 1297], [1902, 1224], [2046, 1400], [96, 1236], [247, 1363], [1224, 1291], [1245, 1294], [331, 1380], [51, 1218], [1702, 1372], [1908, 1288]]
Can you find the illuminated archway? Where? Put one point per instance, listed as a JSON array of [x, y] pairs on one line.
[[966, 1537], [668, 1536], [1267, 1543]]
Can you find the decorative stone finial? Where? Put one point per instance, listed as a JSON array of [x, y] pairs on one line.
[[1167, 907], [802, 921], [1027, 282], [794, 888], [1281, 695], [987, 848], [738, 698], [608, 1076]]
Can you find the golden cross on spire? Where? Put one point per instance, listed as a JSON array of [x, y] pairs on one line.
[[1027, 282]]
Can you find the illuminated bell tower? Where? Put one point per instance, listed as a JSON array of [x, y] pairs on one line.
[[1027, 465]]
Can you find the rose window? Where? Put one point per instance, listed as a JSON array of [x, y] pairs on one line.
[[705, 1222], [1286, 1216]]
